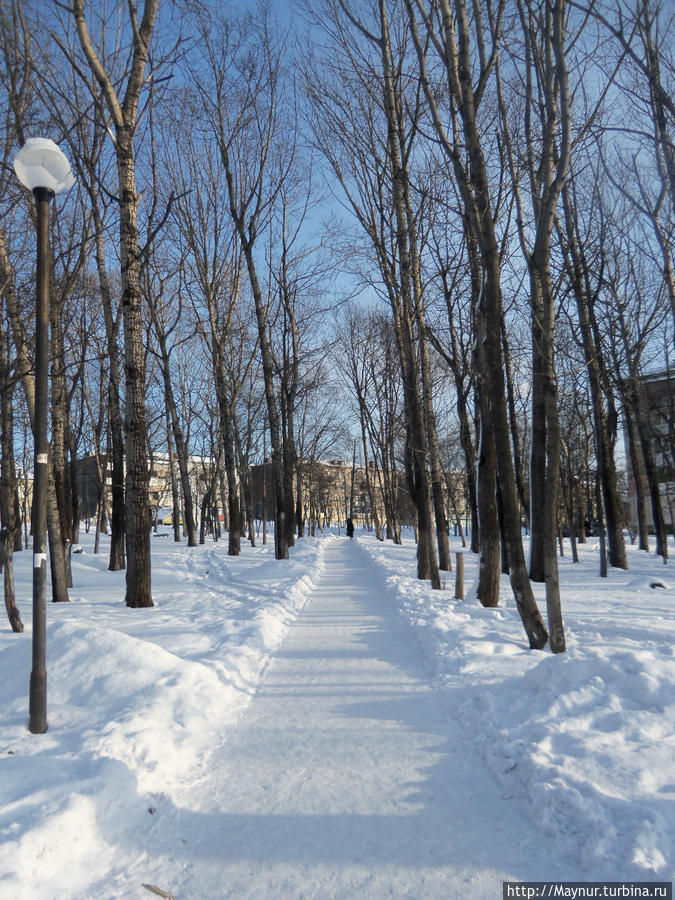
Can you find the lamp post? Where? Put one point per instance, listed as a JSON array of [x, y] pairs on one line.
[[44, 169]]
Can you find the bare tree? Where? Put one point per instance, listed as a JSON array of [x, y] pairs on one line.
[[212, 275], [359, 125], [454, 343], [448, 31], [123, 112], [84, 125], [354, 361], [547, 142], [580, 275], [18, 83], [637, 309], [241, 97]]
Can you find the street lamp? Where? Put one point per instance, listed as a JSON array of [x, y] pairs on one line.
[[44, 169]]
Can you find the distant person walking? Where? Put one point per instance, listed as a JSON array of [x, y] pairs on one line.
[[350, 529]]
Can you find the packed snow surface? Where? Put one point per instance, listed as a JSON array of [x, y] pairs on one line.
[[330, 727]]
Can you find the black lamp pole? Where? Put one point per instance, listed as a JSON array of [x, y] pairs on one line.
[[38, 677]]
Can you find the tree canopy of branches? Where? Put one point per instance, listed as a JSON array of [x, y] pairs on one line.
[[433, 234]]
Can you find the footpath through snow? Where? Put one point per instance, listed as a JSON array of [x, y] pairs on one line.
[[328, 727], [349, 776]]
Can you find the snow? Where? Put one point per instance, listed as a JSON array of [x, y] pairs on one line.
[[587, 738], [328, 726]]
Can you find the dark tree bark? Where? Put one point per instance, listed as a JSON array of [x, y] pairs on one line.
[[488, 517], [472, 178], [175, 493]]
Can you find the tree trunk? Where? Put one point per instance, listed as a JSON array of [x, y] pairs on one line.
[[206, 502], [547, 102], [7, 487], [538, 487], [427, 562], [639, 478], [652, 477], [138, 524], [248, 502], [289, 464], [523, 493], [490, 554], [299, 499], [234, 519], [470, 460], [117, 560], [369, 482], [494, 381], [475, 188], [545, 459], [280, 523], [123, 115], [553, 605], [175, 492], [488, 531], [436, 470], [59, 417], [182, 455]]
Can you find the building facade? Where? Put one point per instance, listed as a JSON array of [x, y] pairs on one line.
[[655, 420]]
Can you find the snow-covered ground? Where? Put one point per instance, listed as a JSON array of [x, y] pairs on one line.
[[589, 735], [144, 707]]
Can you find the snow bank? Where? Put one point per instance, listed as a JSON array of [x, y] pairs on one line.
[[587, 736], [137, 699]]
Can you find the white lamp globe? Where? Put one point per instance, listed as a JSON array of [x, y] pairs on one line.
[[40, 164]]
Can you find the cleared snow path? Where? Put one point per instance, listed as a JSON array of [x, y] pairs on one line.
[[348, 776]]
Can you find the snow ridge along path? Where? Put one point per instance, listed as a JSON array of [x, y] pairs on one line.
[[348, 776]]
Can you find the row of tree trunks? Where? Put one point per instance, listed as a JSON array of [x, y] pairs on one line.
[[459, 360], [406, 313], [638, 409], [577, 271], [455, 49], [544, 35], [175, 437], [281, 505], [24, 372], [435, 467], [117, 557], [250, 196]]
